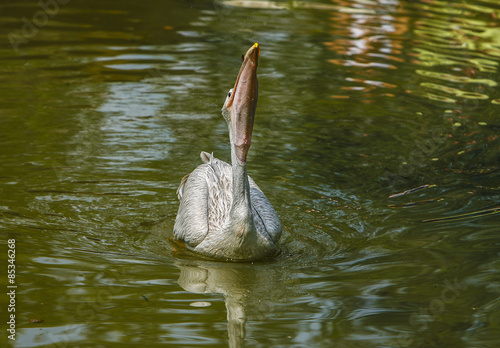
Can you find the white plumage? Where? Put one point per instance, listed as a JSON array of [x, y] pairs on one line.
[[203, 221]]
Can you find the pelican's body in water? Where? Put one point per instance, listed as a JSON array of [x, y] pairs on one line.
[[223, 214]]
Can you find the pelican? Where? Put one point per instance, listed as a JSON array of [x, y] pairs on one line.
[[223, 214]]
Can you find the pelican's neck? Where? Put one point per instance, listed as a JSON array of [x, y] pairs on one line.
[[241, 207]]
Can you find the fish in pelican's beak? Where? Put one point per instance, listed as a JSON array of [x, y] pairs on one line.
[[243, 101]]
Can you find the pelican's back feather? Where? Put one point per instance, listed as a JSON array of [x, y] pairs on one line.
[[205, 200], [205, 203]]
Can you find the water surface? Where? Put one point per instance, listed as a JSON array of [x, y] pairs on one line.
[[376, 139]]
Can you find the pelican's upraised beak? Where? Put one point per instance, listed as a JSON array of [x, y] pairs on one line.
[[243, 102]]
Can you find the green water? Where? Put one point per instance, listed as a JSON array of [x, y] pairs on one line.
[[106, 105]]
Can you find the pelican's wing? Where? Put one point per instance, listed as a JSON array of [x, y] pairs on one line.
[[191, 224], [205, 201], [181, 186], [265, 217]]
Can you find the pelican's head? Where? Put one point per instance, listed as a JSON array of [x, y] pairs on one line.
[[241, 102]]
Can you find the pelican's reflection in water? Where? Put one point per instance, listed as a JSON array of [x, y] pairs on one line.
[[249, 290]]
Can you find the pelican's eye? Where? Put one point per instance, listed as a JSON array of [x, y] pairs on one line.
[[229, 93]]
